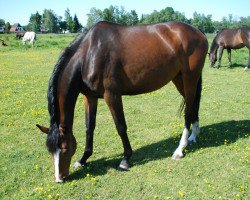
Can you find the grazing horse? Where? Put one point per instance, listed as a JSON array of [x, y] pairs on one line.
[[229, 39], [29, 36], [112, 60]]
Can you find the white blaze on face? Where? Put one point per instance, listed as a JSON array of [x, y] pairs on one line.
[[56, 164]]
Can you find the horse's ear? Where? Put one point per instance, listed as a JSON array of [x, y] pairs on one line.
[[42, 128]]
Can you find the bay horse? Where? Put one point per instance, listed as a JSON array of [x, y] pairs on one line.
[[229, 39], [112, 60]]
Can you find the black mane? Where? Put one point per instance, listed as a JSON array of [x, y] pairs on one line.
[[53, 135]]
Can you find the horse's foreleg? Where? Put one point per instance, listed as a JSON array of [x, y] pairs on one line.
[[114, 103], [90, 121], [220, 56], [229, 56]]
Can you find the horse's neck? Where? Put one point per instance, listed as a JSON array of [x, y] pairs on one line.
[[68, 92], [214, 47]]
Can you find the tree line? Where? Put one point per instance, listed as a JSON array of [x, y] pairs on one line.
[[52, 23], [200, 21]]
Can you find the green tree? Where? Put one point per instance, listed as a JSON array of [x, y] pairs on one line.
[[112, 14], [35, 22], [244, 21], [69, 20], [50, 21], [203, 23], [229, 22], [180, 17], [164, 15], [63, 25], [132, 18], [2, 22], [108, 14], [76, 24], [7, 26], [94, 16]]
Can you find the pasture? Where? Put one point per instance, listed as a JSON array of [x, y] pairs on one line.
[[217, 167]]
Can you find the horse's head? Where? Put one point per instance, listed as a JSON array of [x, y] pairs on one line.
[[61, 144], [212, 58]]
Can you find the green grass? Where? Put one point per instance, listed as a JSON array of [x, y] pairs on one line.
[[217, 167]]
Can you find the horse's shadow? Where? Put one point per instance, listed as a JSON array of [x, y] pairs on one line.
[[237, 65], [234, 65], [211, 136]]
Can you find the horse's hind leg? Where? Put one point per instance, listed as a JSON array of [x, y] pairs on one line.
[[192, 100], [90, 121], [195, 116], [114, 103], [248, 64]]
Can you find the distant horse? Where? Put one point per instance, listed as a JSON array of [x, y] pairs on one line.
[[29, 36], [113, 60], [19, 35], [229, 39]]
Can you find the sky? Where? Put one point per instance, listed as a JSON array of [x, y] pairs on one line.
[[19, 11]]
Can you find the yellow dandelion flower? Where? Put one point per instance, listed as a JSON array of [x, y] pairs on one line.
[[181, 194], [242, 188]]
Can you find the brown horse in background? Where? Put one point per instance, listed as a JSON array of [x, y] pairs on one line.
[[20, 34], [113, 60], [229, 39]]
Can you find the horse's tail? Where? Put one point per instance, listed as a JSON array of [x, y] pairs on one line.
[[197, 99], [196, 104]]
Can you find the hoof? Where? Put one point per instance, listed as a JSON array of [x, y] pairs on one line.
[[76, 165], [59, 180], [192, 141], [124, 166], [177, 156]]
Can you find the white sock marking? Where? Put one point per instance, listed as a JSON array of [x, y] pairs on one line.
[[195, 132], [183, 143]]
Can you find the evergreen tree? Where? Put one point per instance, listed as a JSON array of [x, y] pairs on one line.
[[76, 24]]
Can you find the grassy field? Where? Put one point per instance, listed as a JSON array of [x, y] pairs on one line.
[[217, 167]]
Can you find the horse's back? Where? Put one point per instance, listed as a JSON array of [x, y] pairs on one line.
[[139, 58], [233, 38], [30, 35]]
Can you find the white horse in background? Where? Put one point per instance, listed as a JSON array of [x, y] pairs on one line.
[[29, 36]]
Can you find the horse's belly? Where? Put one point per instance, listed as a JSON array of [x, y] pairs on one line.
[[148, 80]]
